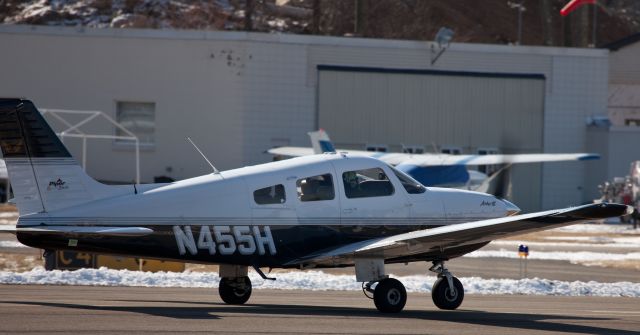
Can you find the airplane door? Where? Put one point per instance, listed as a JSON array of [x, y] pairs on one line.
[[367, 196], [272, 205], [317, 200]]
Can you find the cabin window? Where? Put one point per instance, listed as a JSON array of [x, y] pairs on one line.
[[269, 195], [366, 183], [411, 185], [315, 188]]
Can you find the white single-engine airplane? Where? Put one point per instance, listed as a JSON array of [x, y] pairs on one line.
[[321, 211], [441, 170]]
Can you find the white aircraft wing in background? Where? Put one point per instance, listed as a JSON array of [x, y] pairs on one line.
[[321, 143], [436, 169]]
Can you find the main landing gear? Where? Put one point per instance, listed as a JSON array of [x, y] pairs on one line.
[[390, 296], [447, 292], [235, 286], [235, 291]]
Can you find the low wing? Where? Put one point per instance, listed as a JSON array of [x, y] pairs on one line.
[[79, 230], [447, 241]]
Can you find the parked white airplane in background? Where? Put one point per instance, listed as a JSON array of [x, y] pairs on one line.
[[320, 211], [435, 169]]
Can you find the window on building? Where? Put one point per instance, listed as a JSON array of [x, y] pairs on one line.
[[413, 149], [270, 195], [488, 169], [376, 147], [315, 188], [632, 122], [366, 183], [451, 150], [138, 118]]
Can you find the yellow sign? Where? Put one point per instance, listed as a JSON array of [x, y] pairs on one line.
[[72, 260], [130, 263]]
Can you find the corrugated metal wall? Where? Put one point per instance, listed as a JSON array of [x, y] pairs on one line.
[[359, 106], [625, 65]]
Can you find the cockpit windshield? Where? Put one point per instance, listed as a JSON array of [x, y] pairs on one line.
[[411, 185]]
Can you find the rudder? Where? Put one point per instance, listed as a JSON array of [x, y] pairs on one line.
[[43, 174]]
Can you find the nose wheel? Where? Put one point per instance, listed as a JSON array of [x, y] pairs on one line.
[[235, 291], [447, 292]]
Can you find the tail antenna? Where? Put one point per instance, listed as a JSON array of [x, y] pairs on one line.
[[203, 156]]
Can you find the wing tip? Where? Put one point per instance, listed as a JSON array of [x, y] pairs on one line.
[[603, 210], [589, 157]]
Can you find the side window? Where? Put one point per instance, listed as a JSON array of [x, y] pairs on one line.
[[366, 183], [315, 188], [270, 195]]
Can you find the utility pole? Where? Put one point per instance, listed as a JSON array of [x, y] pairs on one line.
[[315, 28], [248, 14], [595, 25], [360, 17], [547, 22]]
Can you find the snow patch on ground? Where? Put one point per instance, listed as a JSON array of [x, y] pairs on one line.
[[12, 244], [615, 243], [599, 229], [313, 280], [573, 257]]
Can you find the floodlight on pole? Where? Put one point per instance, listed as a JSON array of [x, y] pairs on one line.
[[443, 38], [521, 8]]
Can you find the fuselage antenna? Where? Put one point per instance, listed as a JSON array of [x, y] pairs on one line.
[[203, 156]]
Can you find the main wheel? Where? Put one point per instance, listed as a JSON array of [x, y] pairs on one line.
[[235, 291], [390, 296], [444, 297]]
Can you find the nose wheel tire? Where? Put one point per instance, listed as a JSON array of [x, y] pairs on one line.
[[235, 291], [444, 297], [389, 296]]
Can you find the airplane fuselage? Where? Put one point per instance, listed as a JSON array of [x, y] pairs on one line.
[[267, 215]]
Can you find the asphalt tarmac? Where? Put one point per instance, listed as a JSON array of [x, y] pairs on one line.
[[127, 310]]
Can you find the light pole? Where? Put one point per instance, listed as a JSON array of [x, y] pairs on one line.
[[521, 8]]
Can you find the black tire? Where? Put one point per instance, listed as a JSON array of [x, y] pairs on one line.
[[442, 295], [390, 296], [235, 291]]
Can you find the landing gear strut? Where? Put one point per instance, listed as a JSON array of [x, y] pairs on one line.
[[235, 291], [447, 291]]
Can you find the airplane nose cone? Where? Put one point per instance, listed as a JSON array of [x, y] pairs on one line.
[[511, 208]]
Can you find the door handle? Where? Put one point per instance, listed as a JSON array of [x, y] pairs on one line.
[[349, 210], [408, 204]]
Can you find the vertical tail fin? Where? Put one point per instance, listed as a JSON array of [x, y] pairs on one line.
[[43, 174], [320, 142]]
